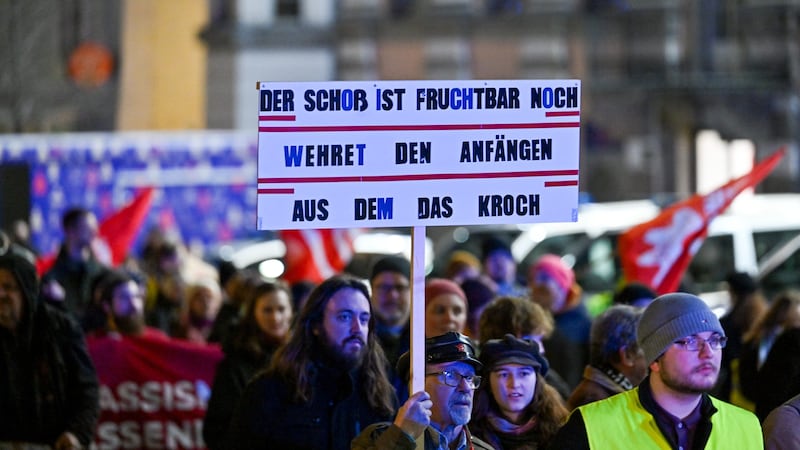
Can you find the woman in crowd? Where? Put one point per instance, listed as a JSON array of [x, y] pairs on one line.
[[515, 408], [203, 300], [264, 327], [445, 307], [553, 285], [783, 313]]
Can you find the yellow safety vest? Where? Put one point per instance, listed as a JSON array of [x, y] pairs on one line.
[[621, 422]]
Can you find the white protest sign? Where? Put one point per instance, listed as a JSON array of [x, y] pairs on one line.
[[417, 153]]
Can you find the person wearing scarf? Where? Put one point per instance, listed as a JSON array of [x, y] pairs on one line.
[[515, 409], [616, 362]]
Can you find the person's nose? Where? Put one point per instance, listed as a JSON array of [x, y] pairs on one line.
[[706, 351], [451, 316], [464, 385], [357, 327]]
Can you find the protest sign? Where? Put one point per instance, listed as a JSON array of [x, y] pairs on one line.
[[417, 153]]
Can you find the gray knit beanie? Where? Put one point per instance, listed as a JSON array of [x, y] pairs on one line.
[[670, 317]]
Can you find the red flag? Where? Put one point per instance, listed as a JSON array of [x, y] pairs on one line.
[[116, 233], [120, 229], [658, 252], [314, 255], [153, 390]]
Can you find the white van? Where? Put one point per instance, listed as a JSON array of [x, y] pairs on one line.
[[757, 234], [588, 245]]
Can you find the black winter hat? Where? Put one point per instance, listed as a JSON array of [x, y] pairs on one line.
[[512, 350], [391, 263]]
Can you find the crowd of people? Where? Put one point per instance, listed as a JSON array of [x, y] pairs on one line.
[[510, 363]]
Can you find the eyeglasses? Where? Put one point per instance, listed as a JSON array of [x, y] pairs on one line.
[[695, 343], [453, 378]]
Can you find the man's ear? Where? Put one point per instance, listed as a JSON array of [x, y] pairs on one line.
[[625, 357], [573, 294]]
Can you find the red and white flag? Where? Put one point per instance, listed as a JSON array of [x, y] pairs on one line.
[[658, 252], [314, 255]]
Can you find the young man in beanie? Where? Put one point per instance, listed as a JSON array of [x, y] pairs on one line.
[[682, 342], [442, 410]]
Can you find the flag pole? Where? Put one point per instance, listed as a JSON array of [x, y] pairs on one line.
[[418, 316]]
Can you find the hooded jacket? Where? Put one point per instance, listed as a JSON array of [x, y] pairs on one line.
[[48, 384]]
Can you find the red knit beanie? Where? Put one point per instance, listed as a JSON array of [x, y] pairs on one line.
[[556, 269], [438, 286]]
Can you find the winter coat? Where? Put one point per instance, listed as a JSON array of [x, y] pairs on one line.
[[76, 277], [48, 384], [779, 377], [388, 436], [268, 417], [781, 430], [233, 372], [595, 385]]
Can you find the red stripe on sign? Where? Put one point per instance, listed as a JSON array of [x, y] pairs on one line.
[[277, 118], [470, 126], [561, 113], [421, 177], [560, 183], [277, 191]]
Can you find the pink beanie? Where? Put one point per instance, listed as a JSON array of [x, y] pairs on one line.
[[555, 267], [438, 286]]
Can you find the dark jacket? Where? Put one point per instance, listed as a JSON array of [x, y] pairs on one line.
[[779, 377], [76, 277], [230, 380], [393, 346], [568, 346], [267, 416], [48, 384]]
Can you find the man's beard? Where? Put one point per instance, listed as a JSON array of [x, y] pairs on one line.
[[460, 414], [129, 325], [336, 354], [686, 385]]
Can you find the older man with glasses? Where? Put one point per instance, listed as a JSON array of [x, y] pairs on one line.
[[442, 410], [682, 342]]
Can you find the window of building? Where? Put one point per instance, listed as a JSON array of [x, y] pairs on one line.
[[288, 8]]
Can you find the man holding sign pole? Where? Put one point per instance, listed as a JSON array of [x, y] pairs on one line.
[[442, 410]]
